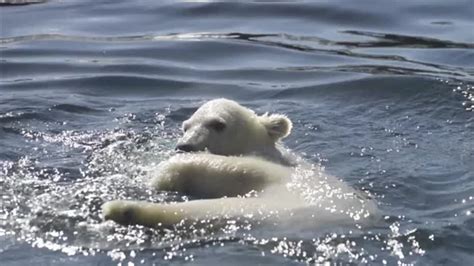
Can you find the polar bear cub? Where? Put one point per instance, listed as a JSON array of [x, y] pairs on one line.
[[224, 127], [230, 151]]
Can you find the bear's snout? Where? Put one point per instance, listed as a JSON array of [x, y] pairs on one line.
[[184, 147]]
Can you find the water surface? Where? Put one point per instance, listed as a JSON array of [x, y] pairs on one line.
[[92, 94]]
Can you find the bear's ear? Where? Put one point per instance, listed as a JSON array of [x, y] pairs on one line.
[[278, 126]]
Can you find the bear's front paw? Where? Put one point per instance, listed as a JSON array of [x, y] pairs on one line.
[[126, 212], [121, 212]]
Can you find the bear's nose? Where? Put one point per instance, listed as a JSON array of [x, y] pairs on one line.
[[184, 147]]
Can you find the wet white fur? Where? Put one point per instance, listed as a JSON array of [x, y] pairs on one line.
[[241, 158]]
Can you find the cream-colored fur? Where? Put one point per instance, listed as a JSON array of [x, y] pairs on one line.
[[235, 152], [205, 175], [269, 204], [245, 133]]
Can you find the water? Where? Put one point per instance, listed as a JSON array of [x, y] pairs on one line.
[[92, 96]]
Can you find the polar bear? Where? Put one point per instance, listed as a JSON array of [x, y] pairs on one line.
[[224, 127], [233, 166]]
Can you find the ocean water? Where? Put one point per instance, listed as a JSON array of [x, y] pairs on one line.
[[92, 95]]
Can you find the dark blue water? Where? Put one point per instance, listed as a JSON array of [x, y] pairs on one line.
[[92, 94]]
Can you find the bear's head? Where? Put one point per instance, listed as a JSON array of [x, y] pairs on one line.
[[224, 127]]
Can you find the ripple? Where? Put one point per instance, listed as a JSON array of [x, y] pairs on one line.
[[20, 2], [72, 108], [388, 40], [21, 116]]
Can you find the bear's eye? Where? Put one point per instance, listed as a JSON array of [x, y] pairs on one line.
[[216, 125]]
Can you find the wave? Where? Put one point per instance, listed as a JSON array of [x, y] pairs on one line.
[[387, 63], [279, 39], [20, 2]]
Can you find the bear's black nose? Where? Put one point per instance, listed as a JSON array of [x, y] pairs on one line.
[[184, 147]]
